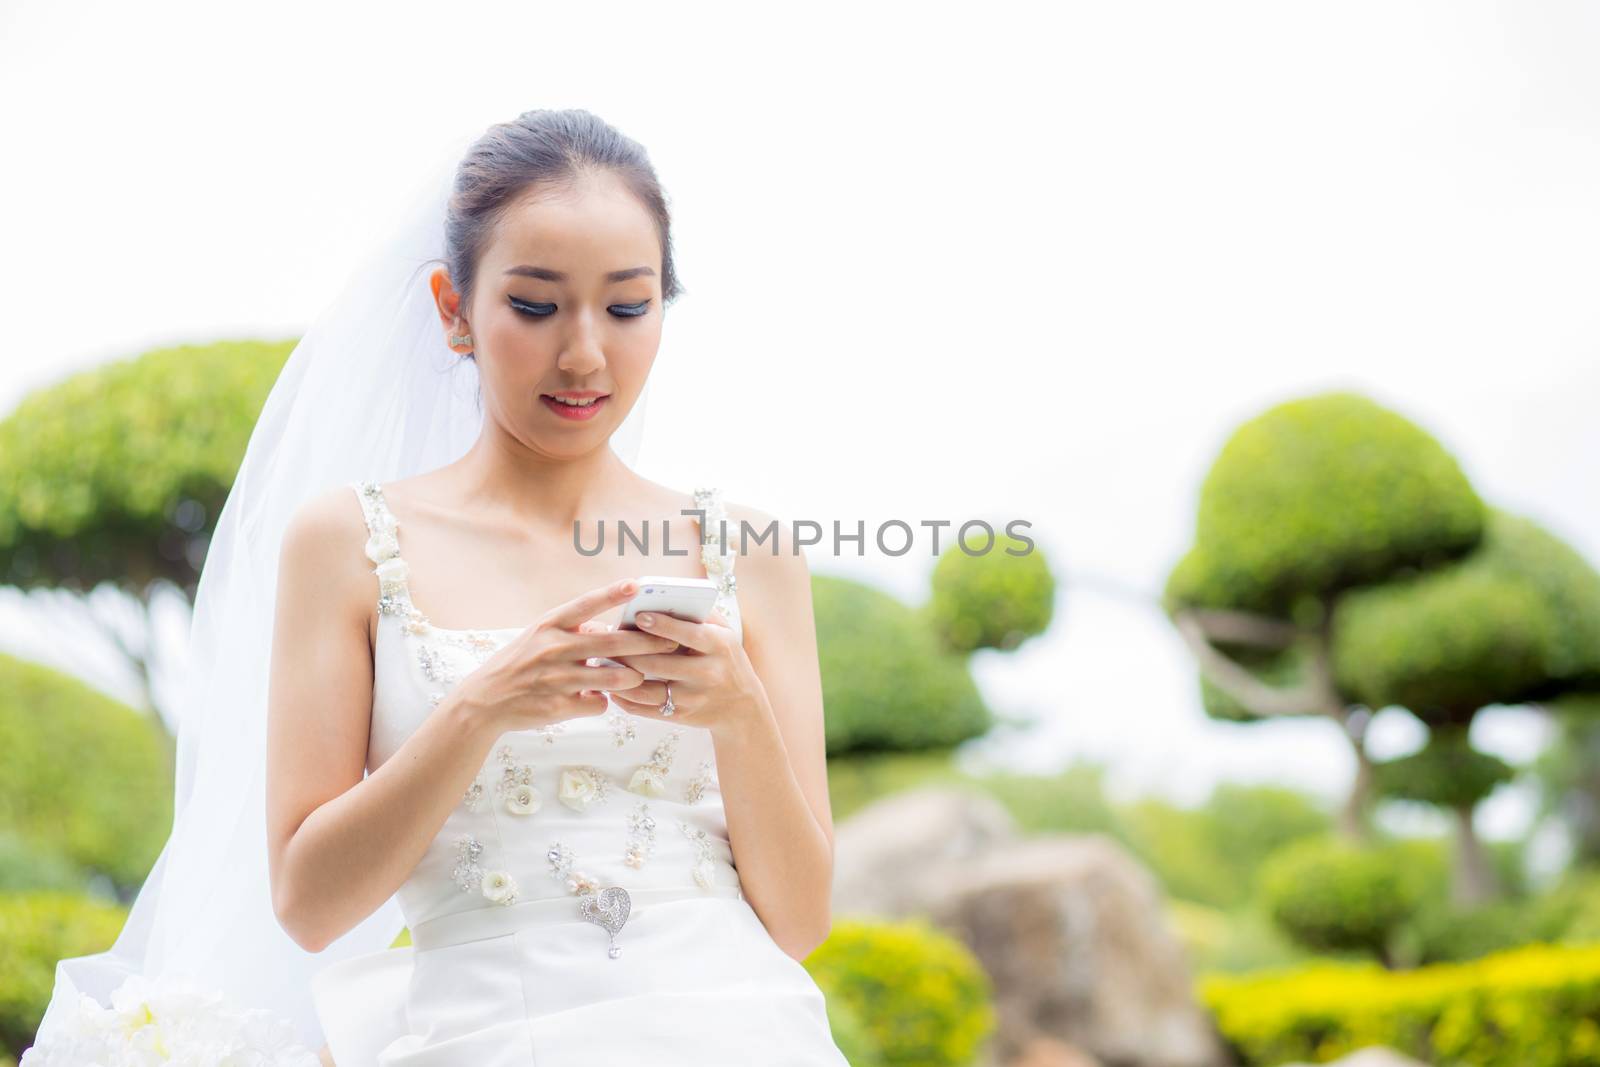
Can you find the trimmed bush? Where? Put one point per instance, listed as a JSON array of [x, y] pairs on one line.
[[1518, 620], [1317, 495], [1447, 771], [119, 472], [852, 1037], [1536, 1006], [86, 777], [886, 681], [1332, 895], [25, 866], [921, 994], [36, 931], [995, 600]]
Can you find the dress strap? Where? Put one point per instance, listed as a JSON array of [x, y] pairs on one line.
[[716, 557], [383, 549]]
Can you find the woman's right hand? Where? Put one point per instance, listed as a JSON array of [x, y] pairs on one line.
[[542, 675]]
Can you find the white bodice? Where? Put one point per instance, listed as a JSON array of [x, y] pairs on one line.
[[613, 799]]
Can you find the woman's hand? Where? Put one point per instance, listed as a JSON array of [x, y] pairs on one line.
[[543, 675], [713, 682]]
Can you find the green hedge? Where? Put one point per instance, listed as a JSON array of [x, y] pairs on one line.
[[119, 472], [887, 682], [36, 931], [922, 997], [1536, 1006], [1516, 620], [993, 600], [86, 777], [1333, 895]]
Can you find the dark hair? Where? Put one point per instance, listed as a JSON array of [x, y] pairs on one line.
[[553, 149]]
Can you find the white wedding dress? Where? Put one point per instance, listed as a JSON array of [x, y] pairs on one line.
[[504, 970]]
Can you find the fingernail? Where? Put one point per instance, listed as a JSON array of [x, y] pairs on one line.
[[629, 588], [647, 619]]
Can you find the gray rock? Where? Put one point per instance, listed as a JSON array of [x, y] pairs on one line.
[[1070, 928]]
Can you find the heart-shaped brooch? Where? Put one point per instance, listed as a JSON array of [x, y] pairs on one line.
[[607, 909]]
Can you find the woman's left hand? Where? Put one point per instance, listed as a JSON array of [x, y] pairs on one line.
[[713, 682]]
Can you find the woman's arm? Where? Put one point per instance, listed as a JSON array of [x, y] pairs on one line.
[[773, 774], [340, 844]]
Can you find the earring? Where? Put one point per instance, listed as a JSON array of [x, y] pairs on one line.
[[463, 339]]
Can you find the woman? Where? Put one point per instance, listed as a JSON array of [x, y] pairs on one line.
[[595, 861]]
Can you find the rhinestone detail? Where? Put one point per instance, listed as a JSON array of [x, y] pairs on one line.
[[582, 786], [705, 864], [561, 867], [467, 873], [715, 554], [515, 787], [650, 779], [641, 836], [622, 726], [702, 779]]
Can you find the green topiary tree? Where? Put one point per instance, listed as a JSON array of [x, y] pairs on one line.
[[1516, 621], [118, 473], [997, 599], [1307, 502], [887, 683], [922, 995], [86, 780], [1568, 774], [1332, 895]]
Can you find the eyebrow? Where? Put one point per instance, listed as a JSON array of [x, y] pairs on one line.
[[545, 273]]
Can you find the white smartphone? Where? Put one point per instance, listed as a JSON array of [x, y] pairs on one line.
[[690, 599]]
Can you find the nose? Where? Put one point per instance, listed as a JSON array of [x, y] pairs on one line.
[[583, 353]]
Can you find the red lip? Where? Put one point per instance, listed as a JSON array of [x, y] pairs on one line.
[[574, 414]]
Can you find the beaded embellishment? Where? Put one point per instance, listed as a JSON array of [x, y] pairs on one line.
[[515, 787], [641, 836], [705, 854], [561, 866], [497, 886], [473, 797], [621, 723], [650, 779], [702, 779], [716, 555], [466, 873]]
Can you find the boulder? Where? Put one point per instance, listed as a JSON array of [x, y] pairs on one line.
[[1070, 927]]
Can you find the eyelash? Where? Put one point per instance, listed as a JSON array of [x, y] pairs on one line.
[[524, 308]]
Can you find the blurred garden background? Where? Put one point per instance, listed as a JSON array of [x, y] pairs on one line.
[[1276, 324]]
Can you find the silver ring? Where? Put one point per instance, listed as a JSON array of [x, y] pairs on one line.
[[668, 708]]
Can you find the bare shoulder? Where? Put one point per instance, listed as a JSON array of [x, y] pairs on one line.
[[766, 538], [324, 550], [773, 573]]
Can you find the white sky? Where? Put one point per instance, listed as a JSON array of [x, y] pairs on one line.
[[1031, 263]]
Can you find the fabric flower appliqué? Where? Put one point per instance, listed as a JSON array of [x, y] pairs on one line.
[[581, 787], [647, 781], [499, 887], [391, 574], [522, 800]]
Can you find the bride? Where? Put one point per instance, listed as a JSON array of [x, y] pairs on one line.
[[413, 704]]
